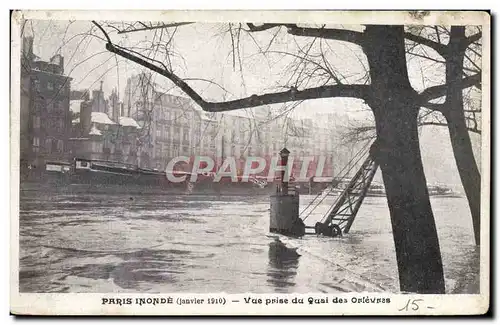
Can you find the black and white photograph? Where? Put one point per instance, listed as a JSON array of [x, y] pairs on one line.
[[252, 162]]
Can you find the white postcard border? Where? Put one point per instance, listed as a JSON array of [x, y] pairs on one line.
[[92, 304]]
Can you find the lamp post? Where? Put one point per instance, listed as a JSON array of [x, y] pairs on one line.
[[284, 153]]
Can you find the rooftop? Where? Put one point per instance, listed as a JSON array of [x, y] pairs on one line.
[[97, 117], [128, 121], [101, 118], [74, 105], [94, 131]]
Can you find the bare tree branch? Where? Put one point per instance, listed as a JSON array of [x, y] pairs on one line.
[[367, 132], [153, 27], [474, 130], [209, 81], [354, 91], [435, 107], [325, 33], [472, 62], [439, 91], [425, 57], [473, 38], [440, 48], [102, 30], [259, 28]]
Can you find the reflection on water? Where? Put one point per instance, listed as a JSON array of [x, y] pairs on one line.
[[159, 243], [283, 264]]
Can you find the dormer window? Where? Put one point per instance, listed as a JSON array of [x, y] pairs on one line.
[[36, 84]]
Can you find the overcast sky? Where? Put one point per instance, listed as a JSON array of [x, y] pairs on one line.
[[204, 51]]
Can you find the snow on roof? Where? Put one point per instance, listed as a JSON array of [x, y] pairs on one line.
[[74, 105], [101, 118], [94, 131], [128, 121]]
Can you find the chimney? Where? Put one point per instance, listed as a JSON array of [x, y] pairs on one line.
[[85, 117], [100, 100], [61, 64], [95, 100], [58, 60], [115, 106]]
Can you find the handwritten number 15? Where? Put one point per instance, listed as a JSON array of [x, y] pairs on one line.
[[413, 303]]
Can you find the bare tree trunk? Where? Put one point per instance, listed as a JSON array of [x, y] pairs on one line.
[[467, 168], [459, 135], [397, 150]]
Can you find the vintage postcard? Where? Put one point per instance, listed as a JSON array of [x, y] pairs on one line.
[[250, 163]]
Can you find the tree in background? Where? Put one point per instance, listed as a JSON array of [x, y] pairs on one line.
[[395, 106], [456, 105]]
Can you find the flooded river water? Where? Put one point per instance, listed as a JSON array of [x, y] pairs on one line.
[[161, 244]]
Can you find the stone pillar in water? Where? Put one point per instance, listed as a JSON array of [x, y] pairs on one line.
[[285, 215], [285, 206]]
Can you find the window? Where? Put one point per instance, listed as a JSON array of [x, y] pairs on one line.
[[36, 84], [36, 122], [48, 145], [158, 133], [97, 146], [126, 150], [177, 132], [54, 146], [158, 151], [175, 150], [60, 145], [37, 106], [50, 85], [60, 125], [36, 144], [185, 135]]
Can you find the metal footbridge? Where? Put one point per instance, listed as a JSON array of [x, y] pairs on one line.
[[342, 213]]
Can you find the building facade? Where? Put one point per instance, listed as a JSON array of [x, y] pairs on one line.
[[99, 135], [44, 111], [150, 128]]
